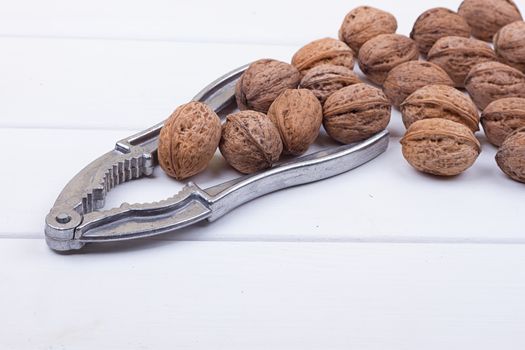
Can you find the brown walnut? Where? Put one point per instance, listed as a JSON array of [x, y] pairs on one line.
[[326, 79], [323, 51], [440, 101], [440, 147], [363, 23], [502, 117], [188, 140], [298, 115], [355, 113], [437, 23], [406, 78], [457, 55], [250, 142], [509, 44], [490, 81], [486, 17], [511, 155], [383, 52], [262, 82]]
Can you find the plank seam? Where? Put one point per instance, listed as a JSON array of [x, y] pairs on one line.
[[389, 240]]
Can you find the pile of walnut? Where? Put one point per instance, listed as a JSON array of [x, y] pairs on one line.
[[283, 105]]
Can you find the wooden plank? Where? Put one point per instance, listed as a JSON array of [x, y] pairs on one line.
[[110, 84], [272, 22], [385, 200], [195, 295]]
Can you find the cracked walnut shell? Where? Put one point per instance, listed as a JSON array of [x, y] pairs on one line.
[[511, 156], [406, 78], [440, 147], [457, 55], [250, 142], [384, 52], [297, 114], [440, 101], [490, 81], [188, 140], [326, 79], [486, 17], [323, 51], [437, 23], [262, 82], [355, 113], [363, 23], [509, 44], [502, 117]]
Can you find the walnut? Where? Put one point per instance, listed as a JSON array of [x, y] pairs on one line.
[[490, 81], [383, 52], [262, 82], [457, 55], [437, 23], [509, 44], [502, 117], [297, 114], [363, 23], [188, 140], [511, 155], [250, 142], [406, 78], [355, 113], [323, 51], [440, 147], [486, 17], [326, 79], [440, 101]]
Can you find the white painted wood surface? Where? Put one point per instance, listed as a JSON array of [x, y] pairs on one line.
[[218, 295], [108, 84], [282, 272]]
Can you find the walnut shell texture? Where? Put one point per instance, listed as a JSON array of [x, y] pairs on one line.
[[298, 115], [323, 51], [457, 55], [188, 140], [511, 156], [262, 82], [250, 141], [509, 44], [502, 117], [490, 81], [355, 113], [486, 17], [437, 23], [382, 53], [440, 147], [363, 23], [326, 79], [406, 78], [440, 101]]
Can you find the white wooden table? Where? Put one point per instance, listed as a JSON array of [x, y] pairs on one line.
[[379, 258]]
